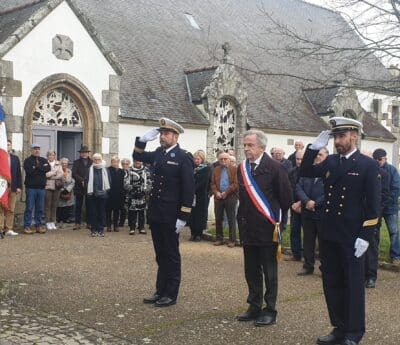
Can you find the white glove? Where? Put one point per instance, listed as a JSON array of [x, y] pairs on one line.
[[179, 225], [361, 247], [149, 135], [321, 141]]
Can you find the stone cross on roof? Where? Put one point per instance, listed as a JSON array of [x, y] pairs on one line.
[[226, 47]]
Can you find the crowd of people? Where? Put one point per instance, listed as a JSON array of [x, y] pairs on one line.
[[338, 200]]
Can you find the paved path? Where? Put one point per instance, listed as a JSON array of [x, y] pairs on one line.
[[65, 287]]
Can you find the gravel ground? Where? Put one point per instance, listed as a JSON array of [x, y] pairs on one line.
[[65, 287]]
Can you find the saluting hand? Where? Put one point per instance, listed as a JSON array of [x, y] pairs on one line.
[[150, 135], [321, 141]]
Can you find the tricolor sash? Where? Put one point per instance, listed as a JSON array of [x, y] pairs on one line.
[[260, 202]]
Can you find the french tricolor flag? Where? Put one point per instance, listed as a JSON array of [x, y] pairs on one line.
[[5, 174]]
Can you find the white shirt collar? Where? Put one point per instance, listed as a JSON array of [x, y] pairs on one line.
[[257, 161], [170, 148], [349, 154]]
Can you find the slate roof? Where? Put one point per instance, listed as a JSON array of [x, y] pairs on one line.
[[197, 81], [373, 128], [321, 99], [155, 44]]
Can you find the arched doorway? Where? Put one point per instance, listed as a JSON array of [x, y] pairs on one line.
[[57, 124], [60, 115]]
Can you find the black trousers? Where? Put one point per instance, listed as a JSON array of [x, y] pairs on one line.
[[311, 230], [112, 213], [97, 214], [259, 261], [343, 282], [372, 256], [168, 258], [136, 217], [64, 213], [122, 215], [79, 200]]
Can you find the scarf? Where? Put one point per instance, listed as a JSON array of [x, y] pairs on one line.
[[106, 182]]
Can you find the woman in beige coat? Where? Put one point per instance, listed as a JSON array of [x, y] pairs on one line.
[[53, 188]]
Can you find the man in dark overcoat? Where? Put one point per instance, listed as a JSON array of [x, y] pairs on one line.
[[170, 203], [257, 232], [352, 186], [80, 173]]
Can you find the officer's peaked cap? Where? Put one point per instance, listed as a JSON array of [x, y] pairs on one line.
[[343, 124], [170, 125]]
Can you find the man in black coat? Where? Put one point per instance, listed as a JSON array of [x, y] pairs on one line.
[[310, 192], [80, 173], [116, 194], [170, 203], [35, 168], [352, 185], [15, 187], [257, 231]]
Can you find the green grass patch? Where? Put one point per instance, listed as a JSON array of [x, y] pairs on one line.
[[384, 244]]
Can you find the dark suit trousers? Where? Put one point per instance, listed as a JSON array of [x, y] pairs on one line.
[[166, 247], [259, 261], [343, 282], [372, 256], [229, 205], [311, 229]]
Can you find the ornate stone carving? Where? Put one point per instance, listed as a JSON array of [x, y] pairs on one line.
[[57, 108], [63, 47], [224, 125]]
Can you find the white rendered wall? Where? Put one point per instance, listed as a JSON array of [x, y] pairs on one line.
[[192, 140], [281, 140], [371, 146], [34, 61]]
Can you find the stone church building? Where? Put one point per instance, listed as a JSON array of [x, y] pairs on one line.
[[100, 72]]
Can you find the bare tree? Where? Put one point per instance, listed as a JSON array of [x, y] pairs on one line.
[[361, 37]]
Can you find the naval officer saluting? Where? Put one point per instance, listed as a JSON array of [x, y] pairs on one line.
[[171, 199], [352, 187]]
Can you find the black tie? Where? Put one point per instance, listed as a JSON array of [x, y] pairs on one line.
[[342, 160], [252, 167]]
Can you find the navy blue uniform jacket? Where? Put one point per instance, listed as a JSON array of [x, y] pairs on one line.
[[352, 195], [172, 193]]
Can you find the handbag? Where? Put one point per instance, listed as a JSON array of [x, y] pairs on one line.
[[59, 183], [65, 195]]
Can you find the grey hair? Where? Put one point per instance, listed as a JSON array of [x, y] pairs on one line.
[[64, 159], [97, 156], [260, 136], [114, 158], [125, 160], [50, 153]]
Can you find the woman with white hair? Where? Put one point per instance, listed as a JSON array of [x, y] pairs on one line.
[[98, 188], [53, 187]]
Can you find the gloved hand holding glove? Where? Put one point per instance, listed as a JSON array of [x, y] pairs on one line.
[[179, 225], [150, 135], [361, 247], [321, 141]]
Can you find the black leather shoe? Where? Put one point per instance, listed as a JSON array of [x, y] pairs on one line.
[[249, 315], [305, 272], [165, 302], [349, 342], [329, 339], [265, 320], [370, 284], [151, 300]]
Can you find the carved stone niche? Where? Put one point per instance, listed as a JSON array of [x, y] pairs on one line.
[[63, 47]]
